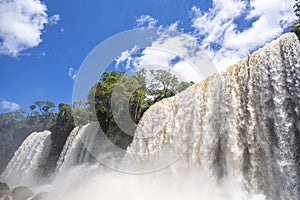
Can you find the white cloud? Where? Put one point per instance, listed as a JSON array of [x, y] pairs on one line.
[[72, 73], [126, 56], [173, 26], [146, 20], [154, 56], [218, 27], [54, 19], [186, 72], [214, 23], [177, 54], [21, 25], [219, 34], [11, 106], [195, 65]]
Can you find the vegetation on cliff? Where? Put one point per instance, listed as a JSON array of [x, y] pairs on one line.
[[45, 115], [296, 26], [141, 91]]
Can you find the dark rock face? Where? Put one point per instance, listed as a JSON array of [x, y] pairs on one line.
[[4, 191], [21, 193], [4, 186]]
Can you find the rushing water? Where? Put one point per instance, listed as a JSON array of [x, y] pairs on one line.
[[23, 167], [244, 122], [78, 144], [234, 135]]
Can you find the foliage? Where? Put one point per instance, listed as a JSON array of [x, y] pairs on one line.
[[60, 131], [64, 124], [42, 115], [12, 133], [16, 126], [296, 27], [131, 93], [134, 94], [81, 112], [165, 84], [99, 98]]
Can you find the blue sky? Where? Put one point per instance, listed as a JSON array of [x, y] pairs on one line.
[[42, 44]]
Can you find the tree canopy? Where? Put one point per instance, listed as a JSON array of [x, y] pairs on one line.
[[296, 27], [43, 115], [133, 95]]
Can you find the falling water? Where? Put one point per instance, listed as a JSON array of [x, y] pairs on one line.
[[23, 167], [241, 124], [244, 123], [78, 144]]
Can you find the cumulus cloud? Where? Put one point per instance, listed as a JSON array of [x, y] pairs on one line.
[[146, 20], [72, 73], [154, 56], [21, 25], [228, 32], [126, 56], [174, 26], [221, 35], [214, 23], [7, 105], [175, 53]]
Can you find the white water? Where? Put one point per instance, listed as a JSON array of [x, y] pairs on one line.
[[243, 123], [236, 133], [90, 183], [23, 167], [78, 144]]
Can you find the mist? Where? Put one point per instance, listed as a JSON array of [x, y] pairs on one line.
[[175, 182]]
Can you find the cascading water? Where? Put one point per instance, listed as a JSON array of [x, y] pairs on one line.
[[243, 123], [78, 144], [33, 152]]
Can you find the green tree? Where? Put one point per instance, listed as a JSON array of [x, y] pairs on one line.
[[60, 131], [123, 93], [81, 112], [63, 125], [32, 108], [42, 115], [165, 84], [296, 27], [13, 131], [16, 126], [99, 97], [99, 100], [183, 85]]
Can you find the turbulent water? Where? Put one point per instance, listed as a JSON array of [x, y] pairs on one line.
[[244, 122], [234, 136], [31, 154], [78, 144]]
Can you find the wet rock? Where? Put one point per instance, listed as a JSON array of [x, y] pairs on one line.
[[21, 193], [6, 197], [4, 191], [4, 186]]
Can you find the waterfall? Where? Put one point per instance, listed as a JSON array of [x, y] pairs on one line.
[[33, 152], [243, 122], [77, 146]]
